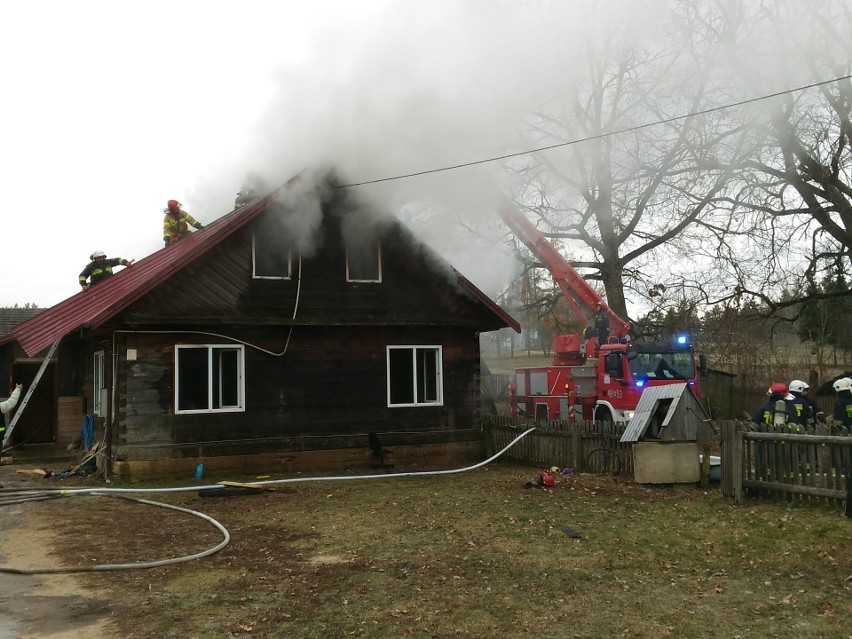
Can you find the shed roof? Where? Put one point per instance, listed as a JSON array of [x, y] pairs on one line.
[[98, 304], [647, 405]]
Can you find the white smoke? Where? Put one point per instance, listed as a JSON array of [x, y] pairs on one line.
[[419, 87]]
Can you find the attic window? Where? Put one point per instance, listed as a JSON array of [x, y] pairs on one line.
[[269, 260], [364, 262], [209, 378], [415, 376]]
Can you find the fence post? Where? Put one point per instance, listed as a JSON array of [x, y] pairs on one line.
[[732, 460], [576, 450], [737, 463]]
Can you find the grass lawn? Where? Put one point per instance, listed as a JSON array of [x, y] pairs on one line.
[[467, 555]]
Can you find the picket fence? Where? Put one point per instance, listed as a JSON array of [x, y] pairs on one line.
[[567, 445], [807, 465]]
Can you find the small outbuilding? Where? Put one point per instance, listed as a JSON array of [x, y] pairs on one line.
[[665, 431]]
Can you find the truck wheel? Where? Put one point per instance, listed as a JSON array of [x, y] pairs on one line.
[[603, 415]]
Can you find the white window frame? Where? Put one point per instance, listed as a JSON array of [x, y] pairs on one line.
[[416, 375], [99, 391], [239, 407], [254, 249], [378, 266]]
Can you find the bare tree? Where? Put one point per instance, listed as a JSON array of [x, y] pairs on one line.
[[796, 189], [629, 198]]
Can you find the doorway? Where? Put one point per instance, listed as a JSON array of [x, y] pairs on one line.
[[37, 424]]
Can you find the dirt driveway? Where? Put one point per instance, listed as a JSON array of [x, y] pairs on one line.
[[40, 606]]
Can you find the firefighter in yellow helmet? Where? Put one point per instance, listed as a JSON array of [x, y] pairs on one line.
[[176, 223]]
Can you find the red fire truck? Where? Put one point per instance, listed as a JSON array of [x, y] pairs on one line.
[[600, 374]]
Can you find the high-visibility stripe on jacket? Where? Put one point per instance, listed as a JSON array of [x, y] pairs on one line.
[[176, 226], [96, 271]]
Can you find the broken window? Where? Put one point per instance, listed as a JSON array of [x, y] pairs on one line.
[[414, 375], [209, 378], [364, 262]]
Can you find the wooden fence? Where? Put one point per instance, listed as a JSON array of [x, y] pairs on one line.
[[811, 465], [561, 443], [800, 464]]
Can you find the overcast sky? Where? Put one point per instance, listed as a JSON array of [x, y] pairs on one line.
[[109, 109]]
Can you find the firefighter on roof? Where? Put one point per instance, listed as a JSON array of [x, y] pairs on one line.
[[100, 268], [176, 223]]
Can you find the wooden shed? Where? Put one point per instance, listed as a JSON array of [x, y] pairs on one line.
[[665, 429], [304, 330]]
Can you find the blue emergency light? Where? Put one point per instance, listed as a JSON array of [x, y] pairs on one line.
[[640, 383], [682, 340]]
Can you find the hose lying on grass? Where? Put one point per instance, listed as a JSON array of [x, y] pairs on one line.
[[10, 496]]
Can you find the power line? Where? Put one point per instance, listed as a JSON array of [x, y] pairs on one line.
[[599, 136]]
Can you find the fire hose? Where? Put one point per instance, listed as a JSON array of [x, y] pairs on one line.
[[18, 496]]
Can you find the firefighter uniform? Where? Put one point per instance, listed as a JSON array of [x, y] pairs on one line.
[[766, 413], [176, 223], [800, 409], [843, 409], [100, 269]]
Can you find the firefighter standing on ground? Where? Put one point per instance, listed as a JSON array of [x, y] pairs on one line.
[[176, 223], [843, 403], [766, 414], [801, 409], [100, 268]]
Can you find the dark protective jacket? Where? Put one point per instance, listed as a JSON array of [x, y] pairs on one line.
[[766, 413], [843, 408], [100, 270], [800, 409]]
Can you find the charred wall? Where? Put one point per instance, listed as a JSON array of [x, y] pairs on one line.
[[328, 390]]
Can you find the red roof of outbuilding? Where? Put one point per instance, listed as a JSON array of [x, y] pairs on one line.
[[95, 306]]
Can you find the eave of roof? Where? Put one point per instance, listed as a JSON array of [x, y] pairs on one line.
[[93, 307], [96, 305]]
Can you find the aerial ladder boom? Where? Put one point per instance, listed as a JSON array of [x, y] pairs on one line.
[[582, 298]]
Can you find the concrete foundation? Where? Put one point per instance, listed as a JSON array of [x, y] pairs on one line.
[[337, 461]]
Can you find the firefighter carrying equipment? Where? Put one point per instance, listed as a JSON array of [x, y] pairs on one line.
[[100, 268], [176, 223]]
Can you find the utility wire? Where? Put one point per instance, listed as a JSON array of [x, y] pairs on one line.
[[598, 136]]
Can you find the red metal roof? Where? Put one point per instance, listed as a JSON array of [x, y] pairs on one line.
[[95, 306]]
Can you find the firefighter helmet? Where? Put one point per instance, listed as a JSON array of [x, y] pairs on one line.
[[97, 254], [173, 205], [798, 386], [842, 384], [778, 387]]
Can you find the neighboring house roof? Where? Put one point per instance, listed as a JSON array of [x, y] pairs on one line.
[[93, 307], [11, 317]]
